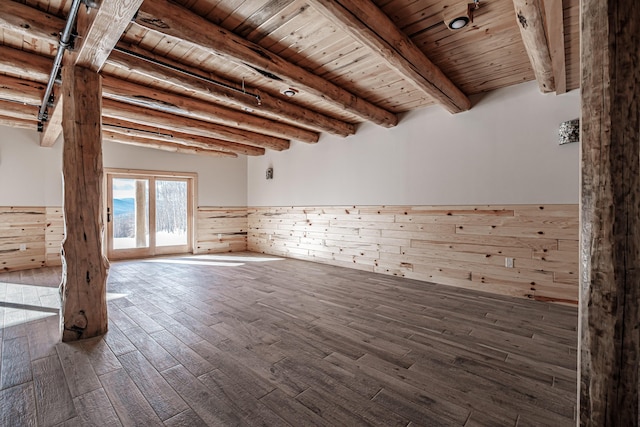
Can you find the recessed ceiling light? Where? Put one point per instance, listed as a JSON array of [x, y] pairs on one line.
[[459, 22], [459, 15], [289, 92]]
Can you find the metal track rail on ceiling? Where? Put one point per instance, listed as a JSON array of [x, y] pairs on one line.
[[188, 73], [63, 44]]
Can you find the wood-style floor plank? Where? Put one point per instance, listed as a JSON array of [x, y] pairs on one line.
[[294, 412], [256, 384], [162, 398], [95, 409], [250, 408], [53, 398], [45, 336], [102, 359], [117, 341], [202, 400], [191, 360], [18, 406], [81, 378], [285, 342], [183, 333], [127, 400], [158, 356], [187, 418], [16, 367]]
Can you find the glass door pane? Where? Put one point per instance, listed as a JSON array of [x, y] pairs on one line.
[[130, 213], [171, 212]]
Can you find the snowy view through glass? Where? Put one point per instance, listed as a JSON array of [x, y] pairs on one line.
[[131, 213], [171, 213]]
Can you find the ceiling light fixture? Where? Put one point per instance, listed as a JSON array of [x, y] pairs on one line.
[[459, 16], [458, 22], [289, 92]]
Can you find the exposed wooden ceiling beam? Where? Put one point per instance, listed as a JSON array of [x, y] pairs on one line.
[[159, 100], [38, 69], [18, 110], [167, 18], [365, 22], [53, 126], [119, 110], [17, 123], [99, 32], [170, 135], [18, 114], [162, 145], [31, 93], [20, 19], [270, 105], [18, 90], [101, 29], [24, 65], [530, 18], [554, 15], [35, 70]]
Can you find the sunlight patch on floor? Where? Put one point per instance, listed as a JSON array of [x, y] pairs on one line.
[[26, 303], [21, 303], [226, 260], [240, 258], [192, 262]]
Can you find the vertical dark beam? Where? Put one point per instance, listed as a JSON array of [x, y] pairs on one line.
[[610, 213], [84, 283]]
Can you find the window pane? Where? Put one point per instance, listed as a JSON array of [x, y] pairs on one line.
[[171, 213], [130, 213]]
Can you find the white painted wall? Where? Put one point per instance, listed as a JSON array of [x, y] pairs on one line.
[[503, 151], [221, 181], [31, 175]]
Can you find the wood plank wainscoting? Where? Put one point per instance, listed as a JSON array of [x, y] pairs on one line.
[[38, 229], [221, 230], [41, 229], [464, 246]]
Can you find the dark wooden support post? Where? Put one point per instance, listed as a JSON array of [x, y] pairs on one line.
[[610, 213], [84, 282]]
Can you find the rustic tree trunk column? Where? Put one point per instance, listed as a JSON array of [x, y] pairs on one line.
[[610, 213], [84, 282]]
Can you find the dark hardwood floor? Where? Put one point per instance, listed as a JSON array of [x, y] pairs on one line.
[[244, 339]]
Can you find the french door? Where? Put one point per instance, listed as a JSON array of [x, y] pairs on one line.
[[148, 213]]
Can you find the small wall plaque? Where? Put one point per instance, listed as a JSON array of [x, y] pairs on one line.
[[569, 132]]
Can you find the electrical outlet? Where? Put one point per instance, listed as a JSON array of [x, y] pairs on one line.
[[270, 236], [219, 236], [23, 246], [508, 262]]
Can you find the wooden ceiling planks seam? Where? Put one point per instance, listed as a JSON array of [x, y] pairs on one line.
[[200, 88], [371, 27], [167, 18], [486, 55]]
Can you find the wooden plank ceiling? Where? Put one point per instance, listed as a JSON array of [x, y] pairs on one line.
[[211, 76]]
